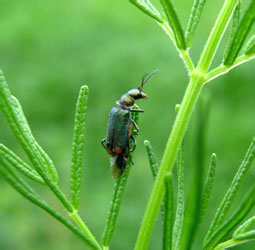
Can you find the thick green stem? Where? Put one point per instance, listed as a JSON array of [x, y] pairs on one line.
[[168, 160]]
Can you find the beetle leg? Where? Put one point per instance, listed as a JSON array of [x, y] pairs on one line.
[[136, 127], [136, 110], [102, 142], [134, 142], [131, 160]]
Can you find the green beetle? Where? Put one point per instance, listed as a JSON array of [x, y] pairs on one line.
[[119, 128]]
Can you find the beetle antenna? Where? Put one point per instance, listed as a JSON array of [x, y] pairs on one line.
[[145, 79]]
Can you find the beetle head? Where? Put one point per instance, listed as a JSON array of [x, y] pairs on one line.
[[128, 100]]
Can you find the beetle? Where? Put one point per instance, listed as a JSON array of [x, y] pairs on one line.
[[118, 135]]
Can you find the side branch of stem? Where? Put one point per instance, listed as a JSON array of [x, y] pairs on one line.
[[223, 69], [184, 54]]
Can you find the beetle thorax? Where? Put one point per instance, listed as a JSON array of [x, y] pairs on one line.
[[126, 101]]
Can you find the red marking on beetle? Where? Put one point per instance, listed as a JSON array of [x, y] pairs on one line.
[[129, 130], [109, 151], [118, 150]]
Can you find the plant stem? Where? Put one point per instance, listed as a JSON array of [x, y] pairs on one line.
[[229, 243], [76, 217], [168, 31], [216, 35], [193, 90], [168, 160], [223, 69], [184, 54], [187, 60]]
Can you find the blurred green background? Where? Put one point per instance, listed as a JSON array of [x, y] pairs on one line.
[[49, 48]]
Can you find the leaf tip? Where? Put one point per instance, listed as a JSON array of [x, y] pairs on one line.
[[85, 88], [214, 157], [146, 143], [177, 107], [168, 177]]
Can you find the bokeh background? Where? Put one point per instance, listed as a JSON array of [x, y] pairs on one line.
[[49, 48]]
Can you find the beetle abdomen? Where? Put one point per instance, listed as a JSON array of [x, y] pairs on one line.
[[118, 165], [117, 138]]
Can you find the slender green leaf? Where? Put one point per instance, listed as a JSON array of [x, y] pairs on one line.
[[118, 192], [229, 243], [180, 207], [231, 192], [5, 168], [13, 113], [240, 35], [250, 46], [193, 211], [154, 170], [194, 18], [15, 118], [174, 23], [46, 161], [148, 9], [25, 190], [235, 22], [20, 165], [152, 160], [168, 219], [245, 207], [243, 232], [78, 147], [208, 186], [246, 236], [179, 214]]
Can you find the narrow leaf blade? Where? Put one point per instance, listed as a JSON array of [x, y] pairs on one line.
[[208, 186], [78, 147], [246, 236], [250, 46], [239, 214], [243, 232], [193, 211], [229, 197], [235, 22], [174, 23], [152, 160], [26, 191], [15, 118], [168, 218], [180, 201], [145, 8], [113, 213], [20, 165], [240, 35], [194, 18]]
